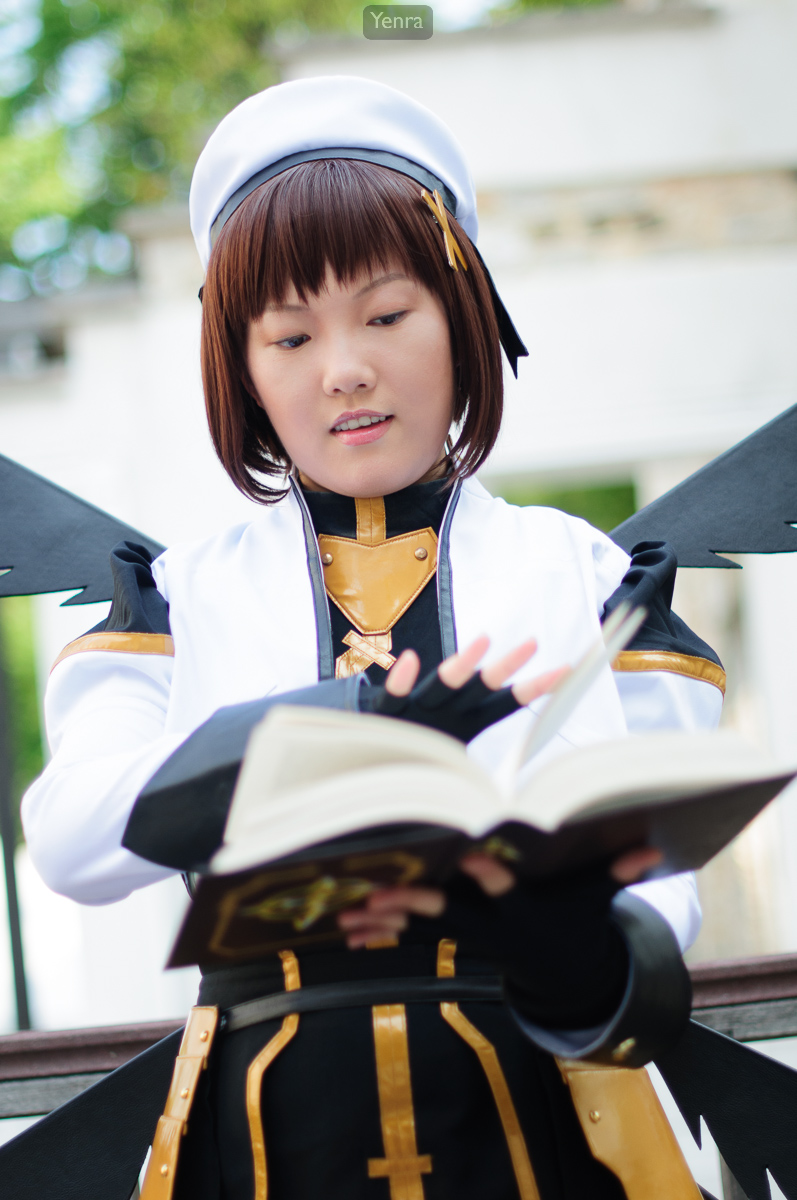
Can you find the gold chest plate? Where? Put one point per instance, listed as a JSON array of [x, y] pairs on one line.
[[374, 585]]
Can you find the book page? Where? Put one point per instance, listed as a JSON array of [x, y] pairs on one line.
[[297, 817], [295, 748], [638, 770]]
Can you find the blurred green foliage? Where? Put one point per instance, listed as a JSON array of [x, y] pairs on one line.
[[519, 7], [106, 103], [604, 506], [17, 635]]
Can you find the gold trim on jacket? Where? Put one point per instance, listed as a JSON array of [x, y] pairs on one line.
[[688, 665]]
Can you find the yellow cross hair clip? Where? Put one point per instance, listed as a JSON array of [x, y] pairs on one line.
[[440, 215]]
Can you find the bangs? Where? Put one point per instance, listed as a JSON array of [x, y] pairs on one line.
[[338, 214], [353, 218]]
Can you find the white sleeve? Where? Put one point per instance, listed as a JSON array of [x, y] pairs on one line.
[[674, 898], [105, 713], [665, 699], [660, 689]]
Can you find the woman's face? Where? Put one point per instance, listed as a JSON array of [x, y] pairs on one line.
[[358, 382]]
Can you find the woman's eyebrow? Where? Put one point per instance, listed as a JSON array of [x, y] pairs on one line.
[[375, 283], [276, 308]]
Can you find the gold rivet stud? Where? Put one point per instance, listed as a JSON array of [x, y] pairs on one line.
[[326, 559], [421, 553], [594, 1115], [164, 1169], [204, 1035], [621, 1052], [184, 1094]]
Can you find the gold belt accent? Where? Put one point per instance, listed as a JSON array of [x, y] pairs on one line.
[[487, 1056], [192, 1059], [257, 1068], [402, 1165], [627, 1130]]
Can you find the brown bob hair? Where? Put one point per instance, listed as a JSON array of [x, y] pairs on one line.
[[351, 216]]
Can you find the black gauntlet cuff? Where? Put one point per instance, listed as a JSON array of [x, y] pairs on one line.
[[179, 817], [655, 1007]]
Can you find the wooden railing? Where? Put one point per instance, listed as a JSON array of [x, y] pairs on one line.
[[39, 1071], [748, 999]]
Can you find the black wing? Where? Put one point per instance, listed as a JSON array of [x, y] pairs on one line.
[[748, 1101], [744, 502], [52, 541]]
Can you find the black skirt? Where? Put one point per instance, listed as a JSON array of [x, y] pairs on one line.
[[320, 1106]]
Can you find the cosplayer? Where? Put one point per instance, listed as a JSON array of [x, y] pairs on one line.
[[351, 353]]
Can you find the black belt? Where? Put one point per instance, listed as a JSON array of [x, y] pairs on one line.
[[361, 994]]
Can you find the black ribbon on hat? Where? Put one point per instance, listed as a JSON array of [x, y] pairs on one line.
[[511, 340]]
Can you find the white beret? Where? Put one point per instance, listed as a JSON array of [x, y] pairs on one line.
[[322, 113]]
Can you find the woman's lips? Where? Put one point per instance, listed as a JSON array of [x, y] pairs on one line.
[[363, 435]]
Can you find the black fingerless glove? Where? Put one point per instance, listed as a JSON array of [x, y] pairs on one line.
[[564, 960], [461, 712]]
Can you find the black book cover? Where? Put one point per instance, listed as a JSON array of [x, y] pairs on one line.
[[294, 901]]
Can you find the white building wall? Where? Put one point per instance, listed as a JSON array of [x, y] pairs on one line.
[[571, 97]]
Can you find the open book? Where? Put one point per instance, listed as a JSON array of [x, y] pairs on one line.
[[330, 804]]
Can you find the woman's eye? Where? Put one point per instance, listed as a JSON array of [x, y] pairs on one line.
[[293, 343], [390, 319]]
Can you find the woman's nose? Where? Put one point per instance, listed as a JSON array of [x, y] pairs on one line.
[[346, 372]]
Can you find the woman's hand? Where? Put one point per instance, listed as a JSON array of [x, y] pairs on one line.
[[460, 669], [553, 941], [454, 699], [387, 913], [563, 959]]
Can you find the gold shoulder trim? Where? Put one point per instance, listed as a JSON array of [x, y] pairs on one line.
[[678, 664], [120, 643]]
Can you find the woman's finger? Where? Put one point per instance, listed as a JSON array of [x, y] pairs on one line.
[[633, 865], [497, 673], [354, 920], [493, 877], [424, 902], [371, 938], [459, 668], [403, 674], [530, 689], [386, 913]]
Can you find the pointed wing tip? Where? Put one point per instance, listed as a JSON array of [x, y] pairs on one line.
[[83, 594], [688, 556], [86, 595]]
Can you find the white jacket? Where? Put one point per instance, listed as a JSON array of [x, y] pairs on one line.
[[243, 622]]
